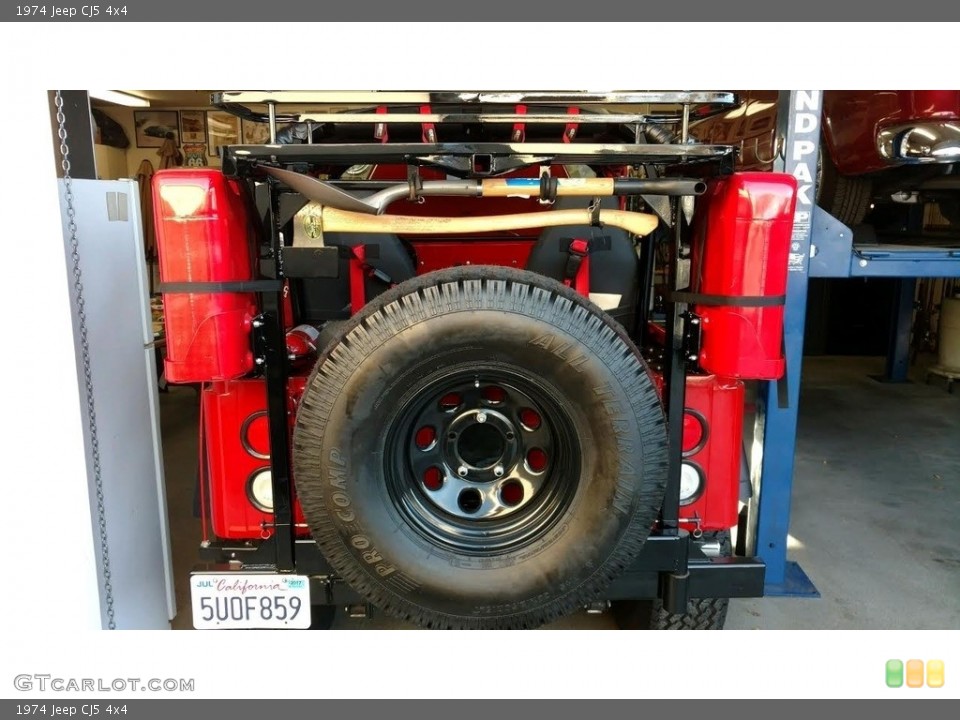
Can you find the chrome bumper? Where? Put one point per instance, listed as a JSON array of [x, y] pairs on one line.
[[921, 142]]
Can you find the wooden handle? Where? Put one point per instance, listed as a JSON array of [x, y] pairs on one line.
[[333, 220], [530, 187]]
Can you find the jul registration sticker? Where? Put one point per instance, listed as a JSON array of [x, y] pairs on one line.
[[235, 601]]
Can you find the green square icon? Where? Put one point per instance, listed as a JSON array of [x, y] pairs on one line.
[[894, 673]]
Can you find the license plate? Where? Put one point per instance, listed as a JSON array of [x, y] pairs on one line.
[[235, 601]]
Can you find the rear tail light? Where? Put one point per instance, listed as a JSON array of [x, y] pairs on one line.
[[712, 451], [260, 490], [694, 432], [691, 483]]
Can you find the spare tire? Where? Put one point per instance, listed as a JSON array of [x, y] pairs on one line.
[[480, 448]]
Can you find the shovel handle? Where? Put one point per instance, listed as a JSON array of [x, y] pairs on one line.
[[530, 187]]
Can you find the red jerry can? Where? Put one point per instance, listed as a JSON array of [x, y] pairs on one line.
[[742, 235], [203, 245]]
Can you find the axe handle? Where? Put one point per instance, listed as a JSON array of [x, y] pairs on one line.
[[334, 220], [530, 187]]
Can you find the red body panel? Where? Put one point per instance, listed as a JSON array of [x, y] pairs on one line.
[[719, 403], [237, 439], [741, 246], [852, 120], [201, 224], [237, 442], [657, 333], [715, 405], [438, 255]]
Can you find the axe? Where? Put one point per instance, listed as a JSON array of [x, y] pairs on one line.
[[333, 219]]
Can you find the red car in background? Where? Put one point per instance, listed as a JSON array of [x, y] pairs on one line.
[[877, 146]]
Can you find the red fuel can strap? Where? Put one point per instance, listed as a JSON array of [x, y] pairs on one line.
[[577, 272], [519, 133], [570, 129], [380, 131], [428, 131], [358, 290]]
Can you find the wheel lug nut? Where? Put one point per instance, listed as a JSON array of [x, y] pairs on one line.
[[462, 471], [481, 417], [498, 471]]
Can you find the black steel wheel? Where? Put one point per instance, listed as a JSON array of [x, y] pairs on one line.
[[483, 460], [480, 448]]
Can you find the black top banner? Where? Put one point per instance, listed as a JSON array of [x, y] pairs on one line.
[[486, 10]]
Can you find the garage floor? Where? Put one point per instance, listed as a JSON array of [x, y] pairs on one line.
[[875, 505]]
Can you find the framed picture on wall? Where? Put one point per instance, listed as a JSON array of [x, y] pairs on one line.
[[154, 126], [222, 129], [258, 133], [193, 126]]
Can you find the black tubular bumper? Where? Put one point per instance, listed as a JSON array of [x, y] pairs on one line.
[[671, 567]]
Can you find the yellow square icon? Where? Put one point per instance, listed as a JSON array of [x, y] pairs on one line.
[[935, 673], [914, 673]]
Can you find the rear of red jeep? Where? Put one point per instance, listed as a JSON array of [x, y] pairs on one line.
[[476, 361]]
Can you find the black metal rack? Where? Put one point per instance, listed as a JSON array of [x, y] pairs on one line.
[[630, 111], [472, 160]]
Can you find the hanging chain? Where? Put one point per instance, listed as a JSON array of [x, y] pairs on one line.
[[85, 356]]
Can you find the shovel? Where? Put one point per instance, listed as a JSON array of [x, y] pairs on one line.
[[331, 196]]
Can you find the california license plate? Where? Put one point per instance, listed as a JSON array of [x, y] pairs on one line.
[[235, 601]]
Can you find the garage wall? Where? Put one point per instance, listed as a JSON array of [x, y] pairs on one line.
[[135, 155]]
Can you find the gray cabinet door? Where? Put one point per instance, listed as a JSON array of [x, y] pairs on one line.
[[123, 371]]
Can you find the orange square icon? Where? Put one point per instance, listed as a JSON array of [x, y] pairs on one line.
[[914, 673], [935, 673]]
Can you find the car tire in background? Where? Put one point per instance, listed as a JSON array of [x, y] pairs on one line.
[[950, 209], [480, 447], [846, 198]]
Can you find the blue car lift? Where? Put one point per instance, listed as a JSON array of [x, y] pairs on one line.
[[822, 247]]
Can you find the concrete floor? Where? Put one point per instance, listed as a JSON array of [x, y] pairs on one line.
[[875, 505]]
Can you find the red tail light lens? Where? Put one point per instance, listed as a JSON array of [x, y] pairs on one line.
[[694, 432]]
